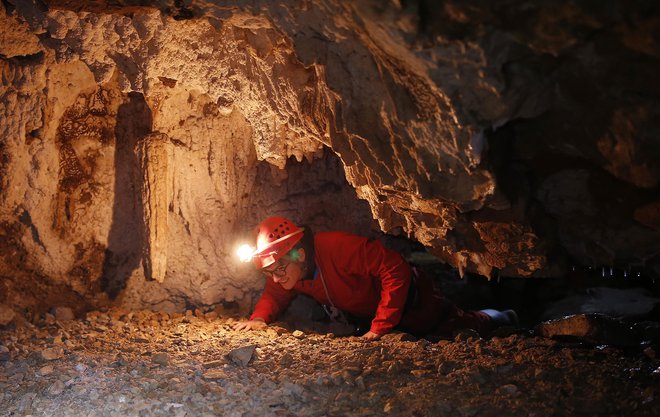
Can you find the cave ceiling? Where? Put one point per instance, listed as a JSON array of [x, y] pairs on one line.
[[141, 140]]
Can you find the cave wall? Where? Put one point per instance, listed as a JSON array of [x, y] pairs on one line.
[[141, 140]]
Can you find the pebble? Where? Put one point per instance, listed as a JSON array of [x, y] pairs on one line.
[[56, 388], [399, 337], [508, 389], [214, 374], [242, 355], [650, 352], [46, 370], [53, 353], [63, 313], [298, 334], [5, 355], [161, 358], [7, 315]]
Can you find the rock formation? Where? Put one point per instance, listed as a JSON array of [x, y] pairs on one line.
[[141, 140]]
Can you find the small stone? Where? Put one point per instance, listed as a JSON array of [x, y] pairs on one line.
[[286, 360], [46, 370], [447, 367], [6, 315], [420, 372], [466, 335], [4, 354], [52, 353], [214, 374], [161, 358], [242, 356], [508, 389], [399, 337], [389, 406], [359, 382], [57, 388], [213, 364], [298, 334], [63, 313], [650, 352]]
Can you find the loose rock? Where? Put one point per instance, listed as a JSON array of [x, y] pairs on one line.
[[161, 358], [52, 353], [63, 313], [4, 353], [6, 315], [242, 356]]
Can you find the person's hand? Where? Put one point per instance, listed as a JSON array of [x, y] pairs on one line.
[[371, 336], [255, 324]]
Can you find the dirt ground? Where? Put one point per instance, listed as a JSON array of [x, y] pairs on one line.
[[118, 363]]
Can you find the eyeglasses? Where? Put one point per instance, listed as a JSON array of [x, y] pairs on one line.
[[280, 271]]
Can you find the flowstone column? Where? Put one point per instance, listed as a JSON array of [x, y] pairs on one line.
[[152, 154]]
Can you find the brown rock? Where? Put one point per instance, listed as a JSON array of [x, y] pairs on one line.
[[6, 315], [242, 356], [63, 313], [298, 334], [399, 337], [214, 374], [594, 328], [56, 388], [5, 355], [213, 364], [52, 353], [161, 358]]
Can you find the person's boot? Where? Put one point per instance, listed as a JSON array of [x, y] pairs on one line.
[[502, 318]]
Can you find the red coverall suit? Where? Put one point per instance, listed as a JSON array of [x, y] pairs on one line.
[[370, 282]]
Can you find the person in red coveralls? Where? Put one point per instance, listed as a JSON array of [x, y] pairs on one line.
[[352, 274]]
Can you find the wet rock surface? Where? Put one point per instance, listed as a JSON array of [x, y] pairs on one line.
[[149, 364]]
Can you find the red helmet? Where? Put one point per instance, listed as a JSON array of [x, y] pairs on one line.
[[276, 236]]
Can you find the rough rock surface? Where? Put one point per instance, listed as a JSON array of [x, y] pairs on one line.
[[506, 137], [112, 364]]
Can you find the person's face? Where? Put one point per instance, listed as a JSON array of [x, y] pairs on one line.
[[287, 272]]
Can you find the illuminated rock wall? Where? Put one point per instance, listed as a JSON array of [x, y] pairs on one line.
[[140, 144]]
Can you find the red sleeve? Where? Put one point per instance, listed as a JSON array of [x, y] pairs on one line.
[[394, 275], [272, 302]]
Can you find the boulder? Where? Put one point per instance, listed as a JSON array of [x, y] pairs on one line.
[[594, 328]]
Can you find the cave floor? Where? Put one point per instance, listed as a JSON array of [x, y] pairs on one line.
[[150, 364]]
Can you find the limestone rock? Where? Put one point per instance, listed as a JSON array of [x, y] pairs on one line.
[[215, 374], [6, 315], [161, 358], [56, 388], [152, 153], [5, 355], [242, 356], [595, 328], [140, 142], [53, 353], [63, 313], [399, 337]]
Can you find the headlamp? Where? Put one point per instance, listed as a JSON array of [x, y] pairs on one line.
[[245, 253]]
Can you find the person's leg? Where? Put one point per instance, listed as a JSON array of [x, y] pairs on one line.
[[433, 313]]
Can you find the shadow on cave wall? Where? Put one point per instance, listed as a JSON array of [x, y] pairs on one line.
[[125, 240]]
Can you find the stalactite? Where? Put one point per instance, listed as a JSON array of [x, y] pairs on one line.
[[153, 158]]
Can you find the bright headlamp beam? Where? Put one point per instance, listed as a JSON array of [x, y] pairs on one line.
[[245, 253]]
